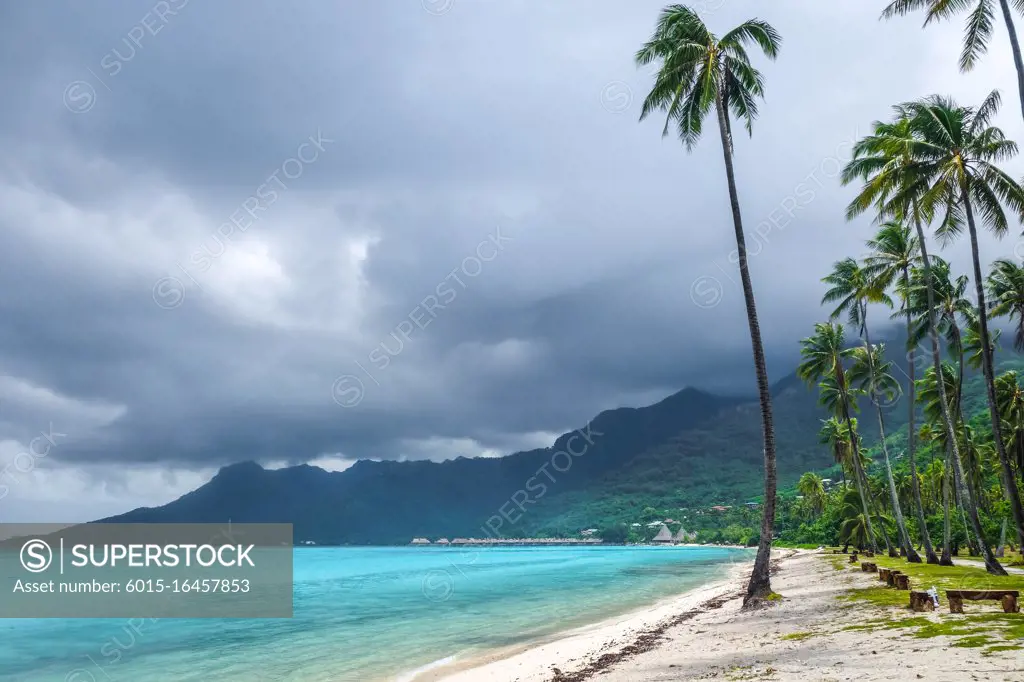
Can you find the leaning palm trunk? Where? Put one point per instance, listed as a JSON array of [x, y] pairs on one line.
[[904, 536], [947, 554], [991, 565], [859, 480], [901, 527], [760, 578], [878, 508], [958, 401], [1015, 45], [929, 551], [889, 549], [885, 535], [973, 545], [877, 511], [1009, 480]]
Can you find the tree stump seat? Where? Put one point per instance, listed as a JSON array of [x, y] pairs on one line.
[[890, 579], [921, 601], [869, 554], [883, 574], [868, 567], [1007, 597], [853, 558], [902, 581]]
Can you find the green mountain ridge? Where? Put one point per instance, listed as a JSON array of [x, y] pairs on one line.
[[692, 449], [719, 462]]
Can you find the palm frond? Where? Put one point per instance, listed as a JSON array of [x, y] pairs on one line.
[[697, 72], [903, 7], [758, 31], [977, 34], [988, 109]]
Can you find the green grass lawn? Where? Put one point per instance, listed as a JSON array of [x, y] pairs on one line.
[[795, 545], [1012, 558], [982, 625]]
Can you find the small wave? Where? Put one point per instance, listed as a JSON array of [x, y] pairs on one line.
[[413, 674]]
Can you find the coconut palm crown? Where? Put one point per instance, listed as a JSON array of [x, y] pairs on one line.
[[698, 68]]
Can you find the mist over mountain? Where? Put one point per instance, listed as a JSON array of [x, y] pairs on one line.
[[693, 448]]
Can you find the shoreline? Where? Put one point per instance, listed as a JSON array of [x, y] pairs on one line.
[[538, 661], [816, 629], [506, 545]]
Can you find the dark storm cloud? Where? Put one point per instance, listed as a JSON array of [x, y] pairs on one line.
[[138, 132]]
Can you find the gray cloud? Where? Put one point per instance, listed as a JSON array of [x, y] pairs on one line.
[[135, 134]]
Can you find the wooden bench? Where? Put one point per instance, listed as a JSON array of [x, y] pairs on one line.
[[921, 601], [1007, 597], [868, 567]]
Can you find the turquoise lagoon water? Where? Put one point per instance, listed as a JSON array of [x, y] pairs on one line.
[[369, 614]]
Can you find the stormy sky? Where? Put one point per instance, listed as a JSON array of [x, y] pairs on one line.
[[318, 232]]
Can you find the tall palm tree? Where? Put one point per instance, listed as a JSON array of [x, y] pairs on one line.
[[836, 434], [856, 525], [974, 457], [951, 310], [1010, 399], [955, 161], [951, 303], [968, 478], [823, 356], [853, 288], [894, 253], [974, 357], [932, 475], [812, 488], [1006, 294], [947, 483], [698, 72], [872, 374], [905, 489], [896, 186], [978, 33], [931, 394]]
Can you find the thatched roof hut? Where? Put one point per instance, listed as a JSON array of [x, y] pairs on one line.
[[684, 536], [664, 535]]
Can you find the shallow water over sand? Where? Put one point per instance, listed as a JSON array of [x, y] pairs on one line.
[[365, 614]]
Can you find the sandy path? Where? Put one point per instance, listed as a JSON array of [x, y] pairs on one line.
[[725, 643], [978, 563]]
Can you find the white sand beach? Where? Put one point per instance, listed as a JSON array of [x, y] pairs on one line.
[[703, 634]]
